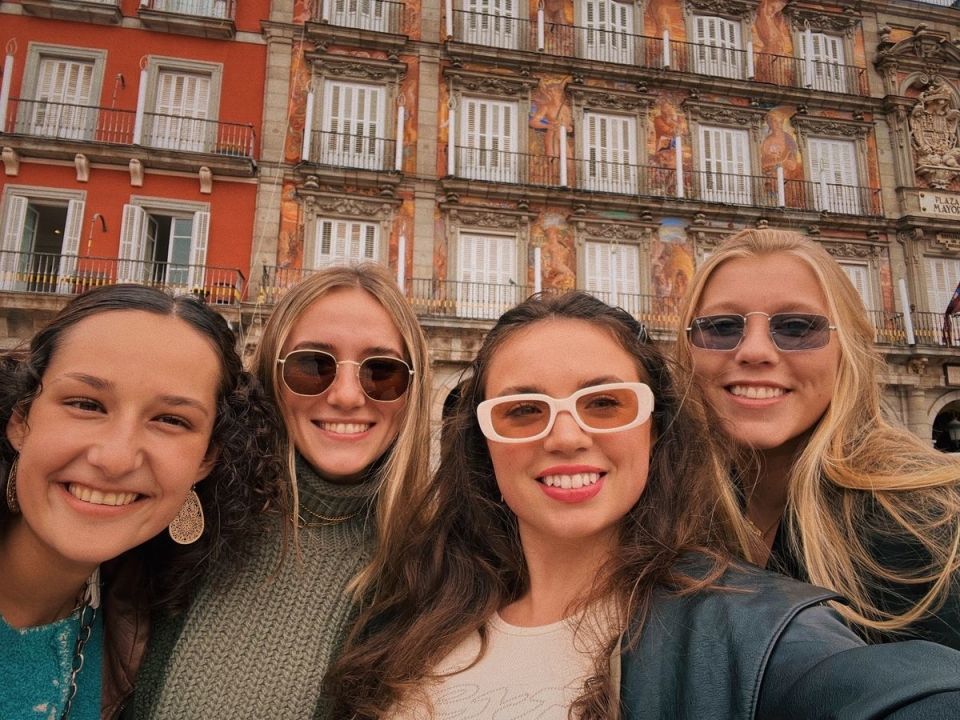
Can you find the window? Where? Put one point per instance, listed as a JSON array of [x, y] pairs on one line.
[[183, 103], [607, 31], [609, 151], [718, 49], [61, 90], [833, 170], [823, 61], [199, 8], [340, 242], [943, 276], [859, 274], [351, 129], [725, 165], [491, 22], [487, 275], [487, 138], [164, 244], [612, 272], [40, 233]]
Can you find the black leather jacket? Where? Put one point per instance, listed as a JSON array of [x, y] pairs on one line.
[[765, 647]]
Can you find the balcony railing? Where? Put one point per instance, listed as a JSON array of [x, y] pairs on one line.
[[221, 9], [376, 15], [625, 48], [352, 150], [67, 274], [500, 166], [86, 123], [888, 327], [932, 328]]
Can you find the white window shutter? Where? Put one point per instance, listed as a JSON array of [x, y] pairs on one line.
[[943, 276], [859, 275], [626, 261], [352, 123], [200, 231], [12, 236], [834, 161], [129, 266], [73, 229], [341, 242]]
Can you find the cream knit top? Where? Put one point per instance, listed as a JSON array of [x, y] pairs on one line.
[[259, 647]]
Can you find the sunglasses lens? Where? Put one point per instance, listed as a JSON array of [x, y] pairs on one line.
[[799, 331], [717, 332], [309, 372], [608, 409], [384, 378], [521, 418]]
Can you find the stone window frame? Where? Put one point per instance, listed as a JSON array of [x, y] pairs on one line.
[[702, 113], [486, 221], [620, 232], [319, 206], [833, 129]]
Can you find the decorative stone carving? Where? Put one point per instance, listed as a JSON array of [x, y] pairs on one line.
[[486, 84], [82, 165], [801, 18], [606, 99], [621, 232], [829, 127], [851, 250], [740, 8], [917, 366], [11, 161], [933, 131], [136, 172], [360, 207], [949, 241], [358, 68], [496, 219], [723, 114]]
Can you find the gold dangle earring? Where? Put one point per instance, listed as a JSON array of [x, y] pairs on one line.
[[187, 527], [12, 503]]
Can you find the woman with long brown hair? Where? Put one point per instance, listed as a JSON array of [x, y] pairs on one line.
[[782, 347], [571, 557]]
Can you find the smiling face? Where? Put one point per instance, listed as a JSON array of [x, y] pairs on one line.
[[571, 484], [117, 436], [767, 399], [342, 432]]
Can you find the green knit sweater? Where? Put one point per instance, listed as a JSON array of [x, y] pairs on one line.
[[258, 645]]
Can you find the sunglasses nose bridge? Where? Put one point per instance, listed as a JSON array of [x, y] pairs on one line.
[[758, 341]]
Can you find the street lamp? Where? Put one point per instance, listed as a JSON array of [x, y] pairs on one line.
[[953, 430]]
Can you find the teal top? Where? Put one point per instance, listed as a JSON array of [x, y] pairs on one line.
[[35, 666]]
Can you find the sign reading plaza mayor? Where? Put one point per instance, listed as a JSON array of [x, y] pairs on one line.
[[940, 203]]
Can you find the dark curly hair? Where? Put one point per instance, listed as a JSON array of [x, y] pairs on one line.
[[244, 491]]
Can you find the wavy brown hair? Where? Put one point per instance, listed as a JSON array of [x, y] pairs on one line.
[[460, 558], [858, 474], [243, 492]]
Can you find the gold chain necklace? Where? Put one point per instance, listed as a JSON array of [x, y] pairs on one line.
[[326, 520]]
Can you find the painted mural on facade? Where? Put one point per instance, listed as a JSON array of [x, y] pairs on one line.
[[671, 261], [554, 236]]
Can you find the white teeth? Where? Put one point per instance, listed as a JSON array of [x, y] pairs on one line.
[[96, 497], [754, 392], [345, 428], [568, 482]]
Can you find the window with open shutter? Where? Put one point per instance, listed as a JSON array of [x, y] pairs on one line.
[[607, 32], [487, 278], [488, 140], [942, 276], [825, 70], [341, 242], [14, 228], [61, 104], [363, 14], [717, 49], [833, 169], [71, 246], [725, 165], [609, 152], [351, 126], [181, 110], [491, 22]]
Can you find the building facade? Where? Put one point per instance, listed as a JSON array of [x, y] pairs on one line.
[[129, 135], [486, 149]]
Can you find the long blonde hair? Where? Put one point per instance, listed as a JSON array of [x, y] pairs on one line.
[[406, 464], [855, 462]]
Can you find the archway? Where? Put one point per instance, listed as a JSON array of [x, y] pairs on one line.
[[949, 413]]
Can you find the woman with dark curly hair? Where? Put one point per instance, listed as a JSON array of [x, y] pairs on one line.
[[572, 557], [137, 452]]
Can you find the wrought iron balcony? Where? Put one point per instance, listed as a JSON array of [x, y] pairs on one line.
[[110, 126], [352, 150], [220, 9], [377, 15], [500, 166], [658, 53], [936, 329], [54, 273]]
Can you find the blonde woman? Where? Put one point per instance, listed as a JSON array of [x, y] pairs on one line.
[[346, 363], [781, 345]]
